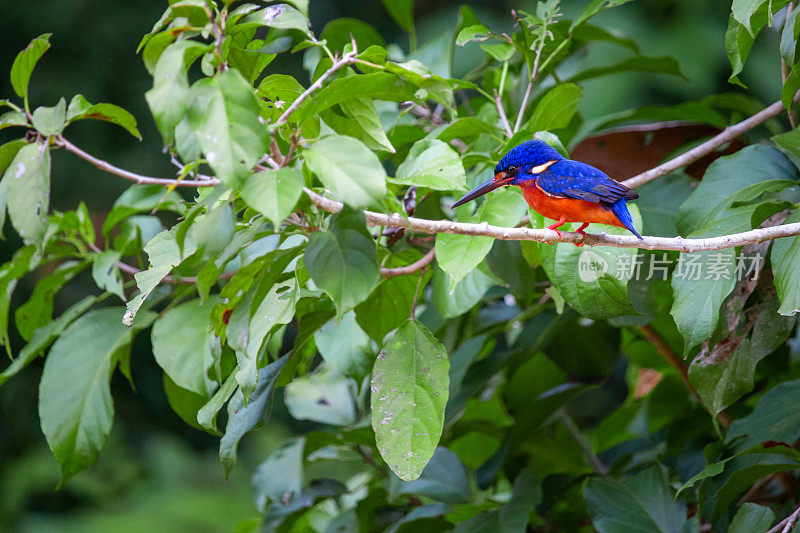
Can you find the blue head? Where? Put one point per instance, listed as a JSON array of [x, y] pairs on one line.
[[524, 160]]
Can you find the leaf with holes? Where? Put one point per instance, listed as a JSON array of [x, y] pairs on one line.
[[410, 386]]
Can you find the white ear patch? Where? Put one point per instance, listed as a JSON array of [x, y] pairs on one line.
[[541, 168]]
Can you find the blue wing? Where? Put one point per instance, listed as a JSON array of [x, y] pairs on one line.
[[573, 179]]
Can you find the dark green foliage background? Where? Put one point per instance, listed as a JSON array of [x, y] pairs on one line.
[[155, 470]]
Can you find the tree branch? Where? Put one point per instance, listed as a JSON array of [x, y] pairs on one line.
[[503, 118], [346, 59], [701, 150], [787, 523], [416, 266], [531, 80], [679, 244], [206, 181]]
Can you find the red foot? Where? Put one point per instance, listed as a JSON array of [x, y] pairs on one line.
[[555, 225], [580, 230]]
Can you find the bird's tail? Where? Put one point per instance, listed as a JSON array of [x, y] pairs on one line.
[[620, 208]]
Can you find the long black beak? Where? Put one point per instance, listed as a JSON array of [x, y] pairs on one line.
[[499, 180]]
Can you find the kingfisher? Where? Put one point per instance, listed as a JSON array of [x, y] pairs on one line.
[[560, 189]]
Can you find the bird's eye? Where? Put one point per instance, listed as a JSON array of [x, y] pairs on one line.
[[512, 171]]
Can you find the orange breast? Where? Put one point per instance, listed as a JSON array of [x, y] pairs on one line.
[[573, 210]]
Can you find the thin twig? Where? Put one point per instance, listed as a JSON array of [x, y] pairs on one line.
[[503, 118], [346, 59], [788, 522], [575, 431], [417, 265], [531, 81], [416, 294], [679, 244], [701, 150], [205, 181]]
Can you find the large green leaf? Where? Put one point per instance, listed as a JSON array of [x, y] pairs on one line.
[[50, 121], [274, 193], [181, 345], [45, 335], [727, 176], [360, 120], [27, 181], [224, 114], [343, 260], [642, 502], [785, 257], [349, 169], [409, 392], [80, 109], [751, 517], [24, 63], [458, 255], [169, 98], [556, 108], [775, 418], [593, 281], [721, 382], [378, 85], [38, 310], [433, 164], [700, 283], [75, 403], [743, 11], [449, 302], [402, 12], [242, 419]]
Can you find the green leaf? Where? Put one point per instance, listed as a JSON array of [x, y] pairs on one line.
[[212, 231], [433, 164], [449, 302], [727, 176], [660, 65], [593, 281], [458, 255], [142, 199], [224, 114], [281, 474], [80, 109], [775, 418], [343, 261], [12, 118], [785, 258], [751, 517], [642, 502], [27, 181], [513, 516], [207, 415], [700, 284], [474, 32], [556, 108], [274, 193], [402, 12], [324, 395], [75, 403], [50, 120], [409, 392], [106, 274], [360, 120], [181, 345], [242, 419], [738, 42], [345, 346], [45, 335], [164, 255], [24, 63], [169, 98], [377, 85], [743, 11], [280, 16], [721, 382], [38, 310], [276, 307], [349, 169]]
